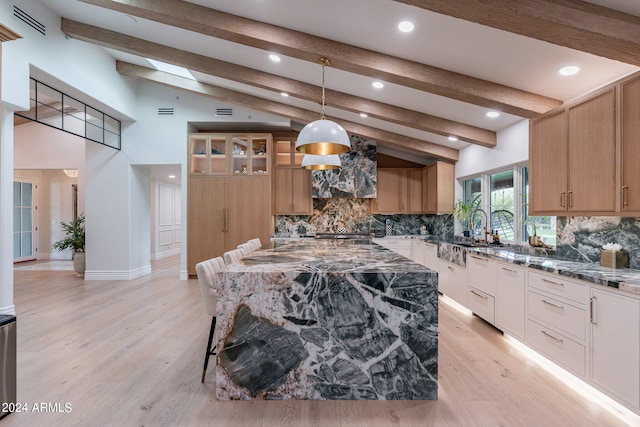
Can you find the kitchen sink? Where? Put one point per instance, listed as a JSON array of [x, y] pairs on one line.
[[359, 236]]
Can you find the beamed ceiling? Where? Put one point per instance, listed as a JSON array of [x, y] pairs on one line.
[[464, 58]]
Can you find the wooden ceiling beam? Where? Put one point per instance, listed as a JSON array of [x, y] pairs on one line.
[[7, 34], [226, 70], [345, 57], [429, 149], [574, 24]]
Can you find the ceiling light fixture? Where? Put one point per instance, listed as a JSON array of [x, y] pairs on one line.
[[274, 57], [406, 26], [453, 138], [569, 70], [323, 137], [285, 94], [71, 173], [377, 85], [493, 114], [364, 115], [313, 162]]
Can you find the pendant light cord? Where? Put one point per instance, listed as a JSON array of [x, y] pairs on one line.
[[323, 61]]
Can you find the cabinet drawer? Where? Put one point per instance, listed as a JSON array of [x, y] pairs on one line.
[[558, 314], [559, 286], [481, 304], [452, 281], [482, 273], [561, 349]]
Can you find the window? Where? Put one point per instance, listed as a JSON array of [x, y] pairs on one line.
[[504, 195]]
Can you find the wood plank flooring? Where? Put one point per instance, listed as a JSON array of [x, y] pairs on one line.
[[130, 353]]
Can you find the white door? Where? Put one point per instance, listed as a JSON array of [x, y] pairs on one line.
[[24, 224]]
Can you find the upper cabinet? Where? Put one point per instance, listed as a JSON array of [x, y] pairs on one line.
[[439, 188], [229, 154], [415, 190], [572, 158], [291, 183], [630, 152]]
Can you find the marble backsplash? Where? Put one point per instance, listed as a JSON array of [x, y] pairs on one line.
[[354, 215], [581, 238], [355, 179]]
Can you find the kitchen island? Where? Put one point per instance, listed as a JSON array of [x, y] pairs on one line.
[[327, 319]]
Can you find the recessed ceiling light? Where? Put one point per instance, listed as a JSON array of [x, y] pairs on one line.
[[569, 70], [453, 138], [364, 115], [406, 26], [285, 94], [493, 114], [274, 57], [377, 85], [172, 176]]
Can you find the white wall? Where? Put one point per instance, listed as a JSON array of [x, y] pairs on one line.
[[512, 147]]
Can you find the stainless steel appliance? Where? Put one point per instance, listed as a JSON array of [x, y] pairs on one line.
[[7, 364]]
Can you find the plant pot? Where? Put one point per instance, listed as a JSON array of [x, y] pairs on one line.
[[535, 241], [79, 263]]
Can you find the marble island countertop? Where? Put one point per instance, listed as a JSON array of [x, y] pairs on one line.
[[326, 320]]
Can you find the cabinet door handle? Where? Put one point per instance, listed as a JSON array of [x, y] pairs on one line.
[[484, 297], [552, 337], [550, 304], [625, 194], [570, 198], [592, 310], [480, 258], [551, 282], [225, 220], [509, 270], [562, 199]]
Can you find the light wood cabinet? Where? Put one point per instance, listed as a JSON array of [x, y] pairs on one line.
[[615, 345], [399, 191], [630, 150], [291, 183], [439, 188], [229, 154], [223, 212], [228, 193], [572, 158]]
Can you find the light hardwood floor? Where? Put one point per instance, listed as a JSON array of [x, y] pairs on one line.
[[130, 353]]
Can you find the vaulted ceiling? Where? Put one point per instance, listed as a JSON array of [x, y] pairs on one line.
[[464, 58]]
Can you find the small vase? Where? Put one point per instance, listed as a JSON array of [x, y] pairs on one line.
[[79, 263]]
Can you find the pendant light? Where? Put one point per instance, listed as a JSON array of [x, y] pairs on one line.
[[323, 137], [315, 162]]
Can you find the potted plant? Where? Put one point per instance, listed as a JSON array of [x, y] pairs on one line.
[[74, 240], [462, 212]]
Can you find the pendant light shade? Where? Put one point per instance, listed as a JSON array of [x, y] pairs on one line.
[[323, 137], [313, 162]]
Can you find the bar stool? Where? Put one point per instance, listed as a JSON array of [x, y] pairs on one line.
[[232, 256], [255, 243], [246, 248], [208, 278]]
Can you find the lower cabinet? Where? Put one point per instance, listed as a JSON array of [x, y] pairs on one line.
[[615, 345], [452, 281], [431, 255], [399, 245], [510, 300], [557, 320]]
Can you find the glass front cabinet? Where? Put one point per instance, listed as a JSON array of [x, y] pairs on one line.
[[229, 154]]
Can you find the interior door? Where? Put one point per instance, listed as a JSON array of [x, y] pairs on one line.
[[24, 224]]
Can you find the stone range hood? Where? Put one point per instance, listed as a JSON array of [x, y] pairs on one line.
[[357, 179]]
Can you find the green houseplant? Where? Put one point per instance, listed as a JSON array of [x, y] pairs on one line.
[[74, 240], [462, 212]]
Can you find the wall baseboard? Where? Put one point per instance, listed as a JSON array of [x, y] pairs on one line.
[[117, 274], [164, 254]]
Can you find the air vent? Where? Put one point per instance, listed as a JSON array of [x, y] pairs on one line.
[[165, 111], [224, 112], [29, 20]]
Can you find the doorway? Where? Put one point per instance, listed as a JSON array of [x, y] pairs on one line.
[[24, 221]]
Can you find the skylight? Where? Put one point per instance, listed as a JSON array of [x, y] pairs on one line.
[[171, 69]]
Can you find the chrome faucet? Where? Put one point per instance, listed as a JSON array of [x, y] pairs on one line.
[[486, 221]]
